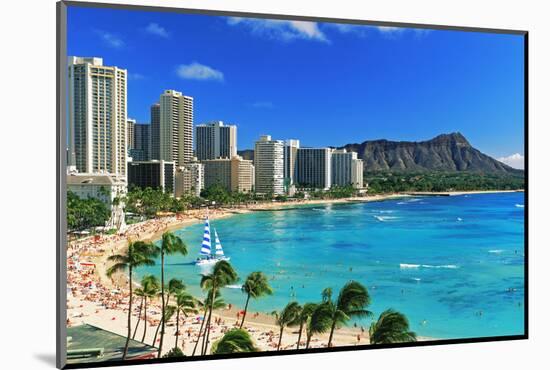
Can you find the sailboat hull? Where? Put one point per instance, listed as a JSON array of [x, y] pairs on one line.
[[211, 261]]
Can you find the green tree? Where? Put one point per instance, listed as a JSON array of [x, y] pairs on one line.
[[171, 244], [319, 322], [352, 302], [138, 254], [174, 286], [222, 274], [288, 316], [391, 327], [149, 289], [174, 352], [255, 286], [306, 311], [234, 341], [205, 305]]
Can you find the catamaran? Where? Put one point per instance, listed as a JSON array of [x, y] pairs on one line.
[[206, 257]]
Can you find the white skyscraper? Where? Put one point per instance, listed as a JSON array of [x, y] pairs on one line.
[[215, 140], [269, 166], [176, 127], [97, 117], [346, 169]]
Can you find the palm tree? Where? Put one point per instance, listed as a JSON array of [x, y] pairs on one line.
[[303, 319], [234, 341], [174, 286], [171, 244], [217, 304], [222, 274], [151, 288], [391, 327], [287, 317], [138, 254], [351, 302], [185, 304], [255, 286], [319, 322]]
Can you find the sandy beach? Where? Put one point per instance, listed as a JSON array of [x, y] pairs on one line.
[[95, 299]]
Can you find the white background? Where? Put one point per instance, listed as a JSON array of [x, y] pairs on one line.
[[27, 209]]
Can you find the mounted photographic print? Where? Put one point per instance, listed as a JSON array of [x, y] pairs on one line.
[[235, 185]]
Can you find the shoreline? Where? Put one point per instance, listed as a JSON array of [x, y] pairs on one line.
[[94, 298]]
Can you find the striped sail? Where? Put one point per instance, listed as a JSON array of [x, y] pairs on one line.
[[206, 246], [219, 250]]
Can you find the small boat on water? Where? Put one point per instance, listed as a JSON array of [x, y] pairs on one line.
[[206, 257]]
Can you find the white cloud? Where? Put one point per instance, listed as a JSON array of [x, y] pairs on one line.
[[515, 161], [281, 29], [157, 30], [197, 71], [110, 39]]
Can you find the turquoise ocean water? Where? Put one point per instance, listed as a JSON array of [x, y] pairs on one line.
[[453, 265]]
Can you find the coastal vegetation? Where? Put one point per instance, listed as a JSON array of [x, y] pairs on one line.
[[288, 316], [171, 244], [84, 214], [381, 182], [255, 286], [139, 253], [222, 274], [234, 341], [391, 327]]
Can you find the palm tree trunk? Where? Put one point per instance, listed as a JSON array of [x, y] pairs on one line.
[[160, 322], [144, 321], [300, 335], [162, 299], [157, 332], [177, 328], [245, 309], [206, 335], [200, 331], [308, 340], [331, 333], [139, 319], [129, 315], [280, 338], [209, 320]]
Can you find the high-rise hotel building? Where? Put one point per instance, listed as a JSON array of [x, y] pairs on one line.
[[233, 174], [130, 128], [215, 140], [346, 169], [176, 127], [313, 168], [155, 132], [97, 117], [269, 166], [290, 156]]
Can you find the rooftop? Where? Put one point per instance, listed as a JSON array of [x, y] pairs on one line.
[[87, 342]]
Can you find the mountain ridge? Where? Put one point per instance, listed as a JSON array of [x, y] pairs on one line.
[[444, 153]]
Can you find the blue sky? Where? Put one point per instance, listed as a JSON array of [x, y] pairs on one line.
[[323, 84]]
